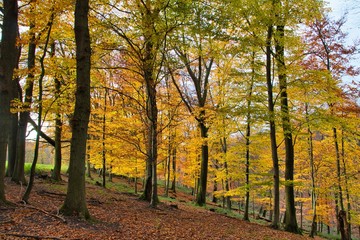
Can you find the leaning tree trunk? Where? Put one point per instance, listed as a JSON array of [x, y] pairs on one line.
[[26, 195], [75, 201], [8, 60]]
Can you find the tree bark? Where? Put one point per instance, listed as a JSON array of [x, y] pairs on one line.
[[16, 95], [173, 184], [75, 201], [8, 60], [56, 173], [290, 223], [201, 195], [18, 175], [312, 174], [103, 142], [247, 138], [274, 153]]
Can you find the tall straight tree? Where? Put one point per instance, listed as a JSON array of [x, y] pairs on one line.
[[290, 218], [8, 61], [18, 174], [75, 201]]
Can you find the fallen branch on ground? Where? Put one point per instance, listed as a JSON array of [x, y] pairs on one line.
[[43, 211], [31, 236]]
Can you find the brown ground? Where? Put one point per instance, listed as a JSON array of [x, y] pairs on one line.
[[119, 216]]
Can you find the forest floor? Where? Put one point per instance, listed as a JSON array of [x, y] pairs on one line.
[[120, 215]]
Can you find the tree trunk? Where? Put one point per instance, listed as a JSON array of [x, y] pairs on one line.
[[167, 169], [274, 153], [173, 184], [12, 144], [201, 195], [75, 201], [8, 60], [247, 137], [312, 173], [291, 223], [16, 95], [339, 204], [146, 195], [103, 142], [343, 225], [227, 186], [56, 173], [26, 195], [348, 210], [18, 175]]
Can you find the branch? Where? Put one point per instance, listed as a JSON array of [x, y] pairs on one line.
[[43, 211], [42, 134]]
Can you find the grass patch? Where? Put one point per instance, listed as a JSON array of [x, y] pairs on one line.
[[329, 236], [117, 186], [167, 199], [42, 168]]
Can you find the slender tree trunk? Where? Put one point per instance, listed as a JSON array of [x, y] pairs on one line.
[[168, 161], [201, 195], [339, 204], [88, 168], [291, 223], [26, 195], [312, 173], [338, 170], [153, 138], [247, 137], [274, 153], [56, 174], [214, 199], [173, 184], [227, 186], [75, 201], [103, 142], [7, 65], [348, 213], [18, 175]]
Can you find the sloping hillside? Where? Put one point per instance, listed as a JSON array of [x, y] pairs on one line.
[[119, 215]]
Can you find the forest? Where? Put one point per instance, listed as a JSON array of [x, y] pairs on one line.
[[247, 102]]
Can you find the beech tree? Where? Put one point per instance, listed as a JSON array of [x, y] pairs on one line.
[[75, 201], [8, 59]]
